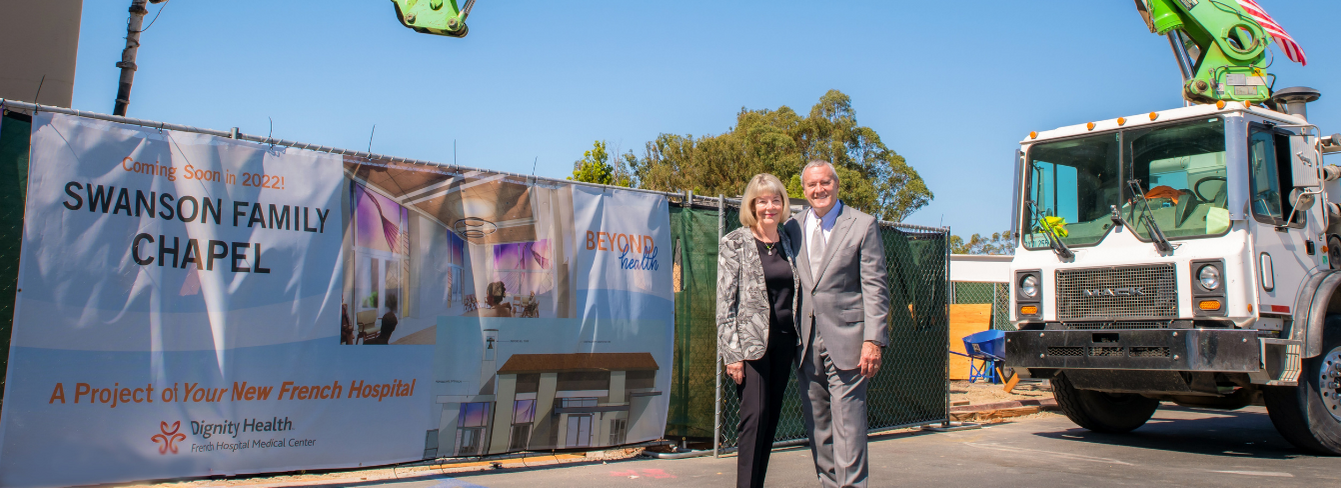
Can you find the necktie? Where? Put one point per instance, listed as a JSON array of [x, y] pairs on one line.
[[816, 249]]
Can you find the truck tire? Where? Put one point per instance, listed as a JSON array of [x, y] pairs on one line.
[[1113, 413], [1334, 252], [1309, 415]]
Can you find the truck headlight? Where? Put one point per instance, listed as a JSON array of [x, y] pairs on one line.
[[1209, 276], [1029, 286]]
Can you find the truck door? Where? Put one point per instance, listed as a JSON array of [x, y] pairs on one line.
[[1283, 253]]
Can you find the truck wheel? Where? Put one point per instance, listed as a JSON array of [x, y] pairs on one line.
[[1334, 252], [1309, 415], [1102, 412]]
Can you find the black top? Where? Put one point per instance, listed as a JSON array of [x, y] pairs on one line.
[[778, 279], [388, 326]]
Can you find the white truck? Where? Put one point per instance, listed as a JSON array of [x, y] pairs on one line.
[[1188, 255]]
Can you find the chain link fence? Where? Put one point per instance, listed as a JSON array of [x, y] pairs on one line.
[[693, 370], [995, 294], [912, 388]]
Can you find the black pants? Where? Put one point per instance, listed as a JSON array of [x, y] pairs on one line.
[[760, 405]]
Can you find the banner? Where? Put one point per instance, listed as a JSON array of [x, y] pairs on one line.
[[192, 305]]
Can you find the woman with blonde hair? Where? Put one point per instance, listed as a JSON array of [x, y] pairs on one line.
[[756, 333]]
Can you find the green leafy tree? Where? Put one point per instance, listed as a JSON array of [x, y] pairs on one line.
[[873, 177], [997, 243], [595, 167]]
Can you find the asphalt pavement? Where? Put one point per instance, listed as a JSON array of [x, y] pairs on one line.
[[1178, 447]]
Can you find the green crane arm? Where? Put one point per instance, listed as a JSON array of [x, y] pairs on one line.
[[440, 17], [1221, 50]]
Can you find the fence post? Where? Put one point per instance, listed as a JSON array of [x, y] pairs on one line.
[[991, 319], [950, 291], [717, 362]]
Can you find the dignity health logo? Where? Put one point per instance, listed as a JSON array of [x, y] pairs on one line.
[[169, 438]]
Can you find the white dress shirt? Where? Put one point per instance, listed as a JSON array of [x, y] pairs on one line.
[[826, 223]]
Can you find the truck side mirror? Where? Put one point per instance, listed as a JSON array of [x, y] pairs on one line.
[[1305, 162], [1302, 199]]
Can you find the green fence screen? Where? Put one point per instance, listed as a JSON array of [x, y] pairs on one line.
[[693, 381], [14, 129], [912, 387]]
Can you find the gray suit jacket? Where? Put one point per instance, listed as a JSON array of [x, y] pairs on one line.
[[743, 308], [849, 300]]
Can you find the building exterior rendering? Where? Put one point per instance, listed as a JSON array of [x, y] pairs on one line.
[[548, 401]]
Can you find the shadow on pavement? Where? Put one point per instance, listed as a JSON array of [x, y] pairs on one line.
[[442, 479], [895, 434], [1234, 434]]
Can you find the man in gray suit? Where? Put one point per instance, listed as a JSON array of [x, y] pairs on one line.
[[844, 310]]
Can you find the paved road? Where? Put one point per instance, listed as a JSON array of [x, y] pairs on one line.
[[1179, 447]]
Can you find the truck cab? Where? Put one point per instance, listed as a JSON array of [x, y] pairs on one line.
[[1188, 256]]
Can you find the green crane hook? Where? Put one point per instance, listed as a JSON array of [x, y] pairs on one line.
[[429, 17]]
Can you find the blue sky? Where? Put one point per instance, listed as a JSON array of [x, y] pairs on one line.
[[952, 86]]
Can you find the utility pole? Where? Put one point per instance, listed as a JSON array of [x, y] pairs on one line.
[[127, 63]]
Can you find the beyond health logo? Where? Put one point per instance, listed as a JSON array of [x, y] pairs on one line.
[[169, 438]]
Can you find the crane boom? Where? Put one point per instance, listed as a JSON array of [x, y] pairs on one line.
[[1221, 50]]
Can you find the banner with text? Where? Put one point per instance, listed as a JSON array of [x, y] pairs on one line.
[[192, 305]]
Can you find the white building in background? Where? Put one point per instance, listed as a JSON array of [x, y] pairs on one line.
[[549, 401], [980, 268]]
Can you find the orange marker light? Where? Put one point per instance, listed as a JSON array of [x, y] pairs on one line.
[[1029, 310], [1033, 135], [1220, 104], [1250, 308], [1090, 126], [1247, 104], [1122, 121], [1209, 305], [1153, 116]]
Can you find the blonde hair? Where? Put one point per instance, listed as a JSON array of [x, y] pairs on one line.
[[760, 185]]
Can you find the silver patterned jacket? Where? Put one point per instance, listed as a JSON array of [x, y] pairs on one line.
[[743, 306]]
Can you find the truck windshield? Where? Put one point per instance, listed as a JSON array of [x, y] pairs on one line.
[[1074, 183], [1181, 169]]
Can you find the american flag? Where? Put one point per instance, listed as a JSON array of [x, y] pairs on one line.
[[1287, 44]]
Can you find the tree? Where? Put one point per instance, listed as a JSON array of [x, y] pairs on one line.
[[872, 177], [998, 243], [595, 167]]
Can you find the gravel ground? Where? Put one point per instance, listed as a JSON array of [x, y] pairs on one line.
[[985, 393]]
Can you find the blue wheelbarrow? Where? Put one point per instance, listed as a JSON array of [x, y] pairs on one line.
[[985, 352]]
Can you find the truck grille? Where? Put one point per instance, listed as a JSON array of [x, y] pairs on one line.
[[1150, 352], [1058, 351], [1110, 352], [1118, 325], [1148, 291]]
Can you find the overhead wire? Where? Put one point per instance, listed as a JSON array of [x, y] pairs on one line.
[[151, 22]]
